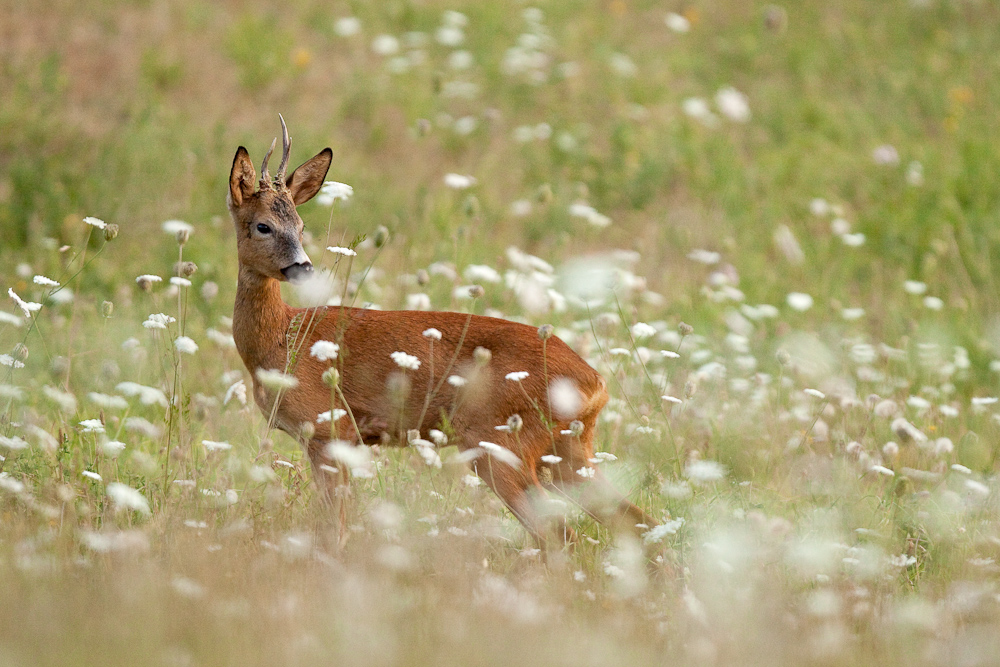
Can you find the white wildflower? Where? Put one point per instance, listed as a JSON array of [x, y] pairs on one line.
[[659, 532], [564, 397], [405, 361], [332, 191], [237, 390], [500, 453], [733, 104], [432, 334], [815, 393], [551, 459], [704, 472], [330, 415], [174, 227], [481, 273], [586, 472], [677, 23], [128, 498], [276, 380], [112, 448], [107, 402], [458, 181], [158, 321], [933, 303], [148, 278], [89, 474], [324, 350], [457, 381], [516, 376], [147, 395], [882, 470], [799, 301], [185, 345], [914, 287], [45, 282], [707, 257], [92, 426], [95, 222], [339, 250], [347, 26], [27, 307], [215, 446], [643, 330], [12, 443]]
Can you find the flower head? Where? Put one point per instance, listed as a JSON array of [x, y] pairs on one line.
[[324, 350], [405, 361], [275, 379], [95, 222], [185, 345], [432, 334], [516, 376], [128, 498]]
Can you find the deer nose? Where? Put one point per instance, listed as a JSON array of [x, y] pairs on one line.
[[297, 272]]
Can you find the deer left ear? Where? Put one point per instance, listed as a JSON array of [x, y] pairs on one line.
[[307, 179], [241, 178]]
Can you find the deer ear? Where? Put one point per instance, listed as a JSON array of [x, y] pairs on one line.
[[241, 178], [306, 181]]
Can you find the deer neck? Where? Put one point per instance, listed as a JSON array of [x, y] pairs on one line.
[[260, 320]]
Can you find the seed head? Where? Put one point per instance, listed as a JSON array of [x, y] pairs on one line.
[[476, 291], [545, 331], [186, 269], [685, 329], [482, 356], [331, 377], [307, 430], [783, 357], [110, 232], [515, 423], [21, 352], [690, 388], [182, 236], [107, 308], [576, 428]]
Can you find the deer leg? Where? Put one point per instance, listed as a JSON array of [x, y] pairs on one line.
[[333, 481]]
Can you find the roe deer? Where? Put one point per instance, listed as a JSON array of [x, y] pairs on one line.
[[269, 243]]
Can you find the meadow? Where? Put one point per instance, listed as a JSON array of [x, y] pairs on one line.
[[772, 228]]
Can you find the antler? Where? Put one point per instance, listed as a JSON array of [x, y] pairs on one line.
[[265, 178], [286, 147]]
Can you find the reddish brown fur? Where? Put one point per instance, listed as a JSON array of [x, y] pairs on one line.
[[367, 338]]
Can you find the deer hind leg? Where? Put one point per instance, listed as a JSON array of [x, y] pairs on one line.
[[333, 481], [518, 487], [591, 489]]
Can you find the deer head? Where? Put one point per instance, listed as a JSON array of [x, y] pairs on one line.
[[268, 228]]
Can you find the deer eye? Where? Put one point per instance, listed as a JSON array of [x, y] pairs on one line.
[[263, 229]]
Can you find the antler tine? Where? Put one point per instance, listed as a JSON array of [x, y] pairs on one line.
[[265, 178], [286, 147]]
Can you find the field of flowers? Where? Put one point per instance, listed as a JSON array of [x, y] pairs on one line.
[[772, 228]]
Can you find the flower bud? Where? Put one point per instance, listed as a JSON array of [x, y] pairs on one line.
[[470, 207], [685, 329], [20, 352], [545, 331], [307, 430], [476, 291], [110, 232], [381, 236], [412, 434], [144, 283], [690, 388], [482, 356], [107, 308], [331, 377], [576, 428], [514, 423], [544, 194], [423, 277], [186, 269], [182, 236], [783, 357]]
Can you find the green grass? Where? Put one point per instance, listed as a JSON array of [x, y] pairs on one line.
[[803, 553]]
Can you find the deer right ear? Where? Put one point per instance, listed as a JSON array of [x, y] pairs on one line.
[[241, 178]]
